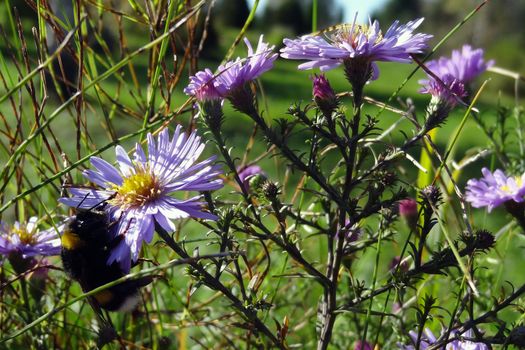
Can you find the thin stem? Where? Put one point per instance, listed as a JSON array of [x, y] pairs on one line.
[[215, 284]]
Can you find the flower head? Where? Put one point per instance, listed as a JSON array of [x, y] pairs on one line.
[[446, 91], [249, 172], [495, 189], [356, 42], [428, 339], [234, 74], [408, 211], [232, 77], [453, 75], [204, 87], [139, 194], [464, 66], [26, 240]]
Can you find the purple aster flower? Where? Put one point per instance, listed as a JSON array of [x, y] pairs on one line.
[[232, 77], [140, 192], [28, 241], [204, 86], [234, 74], [464, 66], [428, 339], [365, 44], [450, 76], [494, 189], [247, 173], [447, 91], [22, 242], [466, 344]]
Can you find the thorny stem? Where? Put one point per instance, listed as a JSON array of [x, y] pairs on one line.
[[443, 340], [215, 284], [328, 305], [290, 155], [288, 247]]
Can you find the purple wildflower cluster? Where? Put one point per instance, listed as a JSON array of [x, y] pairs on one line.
[[495, 189], [428, 339], [139, 194], [356, 42], [451, 76], [26, 240], [232, 75], [23, 243]]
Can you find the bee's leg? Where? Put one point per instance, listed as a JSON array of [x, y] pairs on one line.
[[115, 241], [106, 332]]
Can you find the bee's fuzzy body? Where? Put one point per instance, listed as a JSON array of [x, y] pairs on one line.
[[86, 245]]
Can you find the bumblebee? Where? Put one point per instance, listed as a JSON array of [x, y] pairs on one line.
[[86, 245]]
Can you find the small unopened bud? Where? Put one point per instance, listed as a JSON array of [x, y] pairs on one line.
[[363, 345], [212, 112], [324, 95], [350, 233], [482, 240], [517, 337], [408, 211], [403, 264], [270, 190], [431, 194], [252, 177]]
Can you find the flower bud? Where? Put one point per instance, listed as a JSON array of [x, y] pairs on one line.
[[408, 211], [431, 194], [270, 190], [324, 95], [362, 345], [517, 337], [252, 177], [396, 261]]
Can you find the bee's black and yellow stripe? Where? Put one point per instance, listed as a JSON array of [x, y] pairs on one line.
[[86, 245]]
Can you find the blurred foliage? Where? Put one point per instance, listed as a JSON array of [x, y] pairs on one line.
[[233, 13], [295, 15]]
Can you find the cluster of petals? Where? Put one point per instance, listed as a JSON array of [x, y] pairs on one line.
[[454, 73], [140, 192], [246, 173], [464, 65], [205, 85], [354, 41], [494, 189], [27, 240], [428, 339]]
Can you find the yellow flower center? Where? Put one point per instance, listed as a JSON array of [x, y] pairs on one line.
[[25, 236], [347, 33], [506, 188], [136, 190]]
